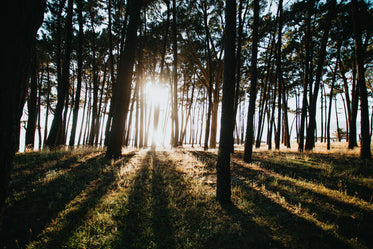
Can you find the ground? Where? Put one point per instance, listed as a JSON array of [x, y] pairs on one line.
[[166, 199]]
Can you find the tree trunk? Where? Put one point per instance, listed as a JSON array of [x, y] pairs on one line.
[[31, 106], [124, 79], [279, 76], [56, 131], [214, 119], [223, 190], [331, 98], [310, 140], [24, 18], [79, 76], [174, 76], [307, 75], [254, 81], [365, 152]]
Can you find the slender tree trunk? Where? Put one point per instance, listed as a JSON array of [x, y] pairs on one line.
[[337, 119], [32, 106], [121, 100], [56, 131], [214, 119], [365, 152], [279, 76], [331, 98], [174, 75], [307, 75], [254, 81], [79, 76], [310, 140], [223, 189]]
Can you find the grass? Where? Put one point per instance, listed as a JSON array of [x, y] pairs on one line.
[[166, 199]]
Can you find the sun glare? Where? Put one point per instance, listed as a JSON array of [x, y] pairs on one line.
[[157, 96]]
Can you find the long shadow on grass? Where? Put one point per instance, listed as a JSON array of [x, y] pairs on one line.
[[26, 219], [145, 222], [329, 180], [292, 230]]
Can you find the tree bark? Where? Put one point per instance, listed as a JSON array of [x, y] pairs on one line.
[[307, 75], [310, 140], [79, 76], [223, 190], [124, 79], [24, 18], [174, 75], [57, 130], [254, 81], [31, 106], [365, 152]]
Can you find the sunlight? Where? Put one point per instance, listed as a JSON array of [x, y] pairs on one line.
[[157, 96]]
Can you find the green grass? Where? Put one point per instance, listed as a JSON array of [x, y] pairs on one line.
[[166, 199]]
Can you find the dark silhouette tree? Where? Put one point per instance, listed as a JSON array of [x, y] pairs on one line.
[[79, 76], [223, 188], [254, 81], [25, 18], [57, 131], [365, 152], [32, 105], [123, 84]]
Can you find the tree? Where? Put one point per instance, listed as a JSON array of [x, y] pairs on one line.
[[32, 105], [310, 140], [80, 68], [223, 189], [57, 131], [175, 114], [365, 136], [254, 81], [123, 83], [25, 18]]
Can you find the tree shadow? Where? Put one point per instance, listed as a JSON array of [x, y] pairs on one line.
[[145, 221], [28, 219], [333, 180], [287, 227]]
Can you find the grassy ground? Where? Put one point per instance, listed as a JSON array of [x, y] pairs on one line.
[[166, 199]]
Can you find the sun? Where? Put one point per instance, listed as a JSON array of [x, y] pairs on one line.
[[156, 94], [157, 97]]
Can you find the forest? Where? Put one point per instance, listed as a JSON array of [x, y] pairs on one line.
[[186, 124]]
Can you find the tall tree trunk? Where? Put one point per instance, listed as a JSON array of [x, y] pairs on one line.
[[365, 152], [279, 76], [174, 75], [310, 140], [208, 117], [31, 106], [331, 98], [124, 79], [56, 131], [79, 76], [94, 116], [307, 74], [223, 188], [254, 81], [47, 105], [352, 141], [24, 17]]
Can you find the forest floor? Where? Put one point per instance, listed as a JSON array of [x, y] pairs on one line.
[[166, 199]]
